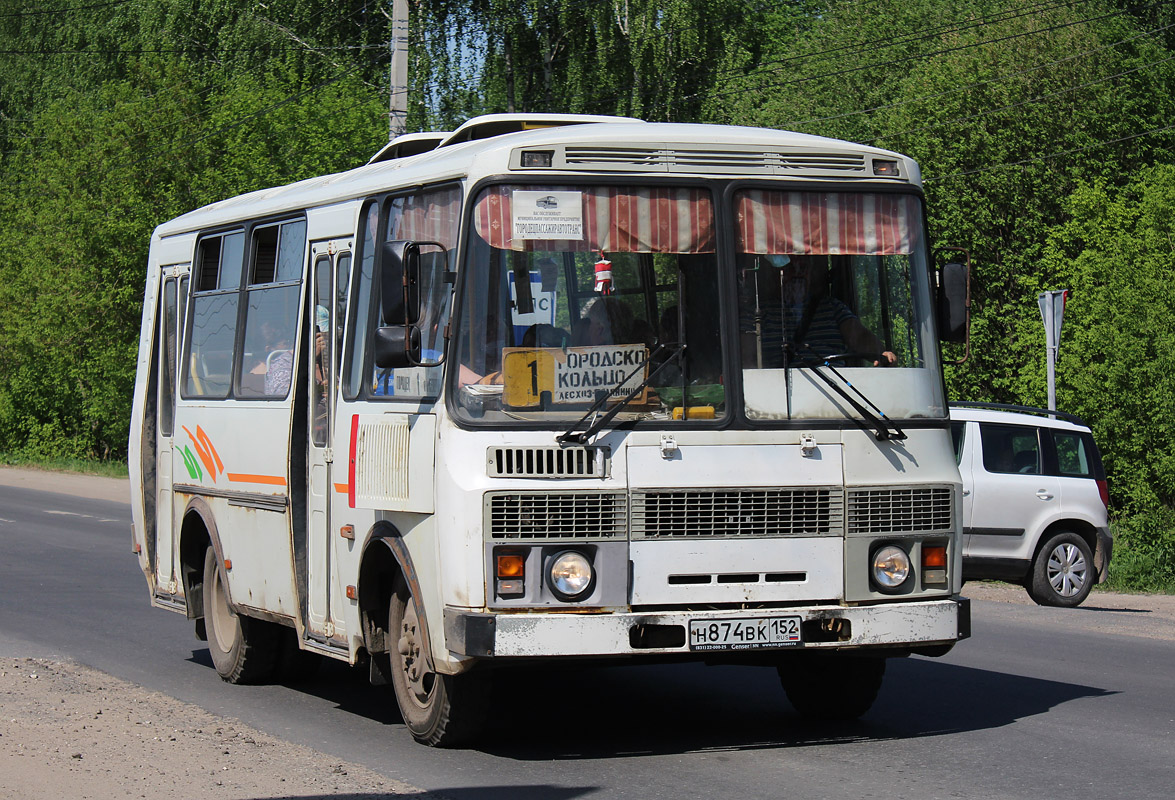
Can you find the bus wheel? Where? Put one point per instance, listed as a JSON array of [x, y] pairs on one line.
[[832, 686], [243, 650], [438, 710]]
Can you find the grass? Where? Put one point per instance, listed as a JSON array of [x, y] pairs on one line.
[[1144, 553], [77, 466]]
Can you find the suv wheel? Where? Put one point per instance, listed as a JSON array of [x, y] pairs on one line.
[[1063, 572]]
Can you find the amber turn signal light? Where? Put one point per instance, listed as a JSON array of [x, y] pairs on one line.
[[934, 556], [510, 566]]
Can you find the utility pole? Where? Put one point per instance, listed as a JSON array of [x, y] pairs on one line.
[[398, 73]]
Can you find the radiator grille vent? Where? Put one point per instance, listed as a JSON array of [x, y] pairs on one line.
[[900, 510], [547, 462], [555, 515], [712, 160], [697, 513], [381, 462]]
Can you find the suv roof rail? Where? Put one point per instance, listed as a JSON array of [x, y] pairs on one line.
[[1020, 409]]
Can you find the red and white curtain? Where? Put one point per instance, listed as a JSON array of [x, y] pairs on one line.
[[616, 219], [433, 216], [836, 223]]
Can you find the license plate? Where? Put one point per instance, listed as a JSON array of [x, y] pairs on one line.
[[744, 634]]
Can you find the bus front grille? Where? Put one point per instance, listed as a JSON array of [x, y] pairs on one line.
[[555, 515], [901, 509], [732, 513]]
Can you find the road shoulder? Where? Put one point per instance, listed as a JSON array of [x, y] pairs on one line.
[[93, 487], [71, 731]]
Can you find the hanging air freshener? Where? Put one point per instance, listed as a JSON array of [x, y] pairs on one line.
[[603, 275]]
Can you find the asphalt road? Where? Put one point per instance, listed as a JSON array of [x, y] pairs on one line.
[[1040, 703]]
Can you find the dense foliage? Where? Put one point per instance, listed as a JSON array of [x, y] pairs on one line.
[[1043, 129]]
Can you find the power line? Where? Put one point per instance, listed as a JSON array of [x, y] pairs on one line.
[[66, 10], [205, 51], [1022, 103], [920, 56], [977, 84], [1072, 151]]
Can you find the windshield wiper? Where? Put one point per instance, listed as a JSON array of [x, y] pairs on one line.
[[600, 421], [885, 428]]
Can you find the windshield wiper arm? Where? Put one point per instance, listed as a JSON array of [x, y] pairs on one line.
[[600, 421], [885, 428]]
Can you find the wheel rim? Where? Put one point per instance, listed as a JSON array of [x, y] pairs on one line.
[[1067, 570], [419, 679], [224, 621]]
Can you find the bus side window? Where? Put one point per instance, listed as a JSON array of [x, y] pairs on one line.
[[271, 316], [209, 344]]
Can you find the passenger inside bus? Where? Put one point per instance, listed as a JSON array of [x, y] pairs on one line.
[[786, 312], [273, 363]]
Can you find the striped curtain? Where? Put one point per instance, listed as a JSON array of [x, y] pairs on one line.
[[836, 223], [431, 216], [616, 219]]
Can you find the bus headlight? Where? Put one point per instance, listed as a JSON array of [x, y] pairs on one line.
[[891, 567], [571, 575]]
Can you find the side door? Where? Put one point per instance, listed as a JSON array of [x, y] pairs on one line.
[[330, 266], [1012, 499], [173, 303]]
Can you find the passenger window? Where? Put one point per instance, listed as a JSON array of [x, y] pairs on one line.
[[1010, 449], [271, 317], [209, 347], [1072, 458]]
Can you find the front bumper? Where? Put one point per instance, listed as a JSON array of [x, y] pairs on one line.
[[908, 625]]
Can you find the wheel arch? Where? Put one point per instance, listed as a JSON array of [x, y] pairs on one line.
[[385, 560], [1080, 527], [198, 532]]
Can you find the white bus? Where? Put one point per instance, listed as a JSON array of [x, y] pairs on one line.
[[550, 387]]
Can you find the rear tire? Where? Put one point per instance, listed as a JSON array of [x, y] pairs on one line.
[[1063, 573], [438, 710], [243, 650], [831, 686]]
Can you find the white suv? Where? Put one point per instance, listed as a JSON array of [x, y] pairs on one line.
[[1034, 500]]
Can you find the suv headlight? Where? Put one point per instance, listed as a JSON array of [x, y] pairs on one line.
[[570, 575], [890, 568]]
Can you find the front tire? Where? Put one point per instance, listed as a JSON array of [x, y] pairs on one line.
[[243, 650], [438, 710], [1063, 572], [831, 687]]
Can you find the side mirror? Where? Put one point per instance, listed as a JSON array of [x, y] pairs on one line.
[[399, 281], [954, 302], [397, 346]]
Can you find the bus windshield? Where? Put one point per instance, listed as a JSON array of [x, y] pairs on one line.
[[834, 288], [582, 297], [575, 293]]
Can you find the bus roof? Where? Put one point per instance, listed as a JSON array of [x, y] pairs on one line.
[[614, 147]]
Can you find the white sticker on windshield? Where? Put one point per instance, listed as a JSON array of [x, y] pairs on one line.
[[547, 215]]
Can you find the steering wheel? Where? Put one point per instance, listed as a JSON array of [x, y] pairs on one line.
[[873, 359]]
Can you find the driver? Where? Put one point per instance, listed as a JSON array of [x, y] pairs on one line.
[[793, 306]]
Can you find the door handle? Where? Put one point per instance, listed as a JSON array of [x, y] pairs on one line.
[[1044, 494]]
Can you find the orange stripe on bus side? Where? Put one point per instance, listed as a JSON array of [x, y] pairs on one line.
[[342, 488], [272, 480]]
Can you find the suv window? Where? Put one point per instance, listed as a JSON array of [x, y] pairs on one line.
[[1010, 448], [1072, 454]]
